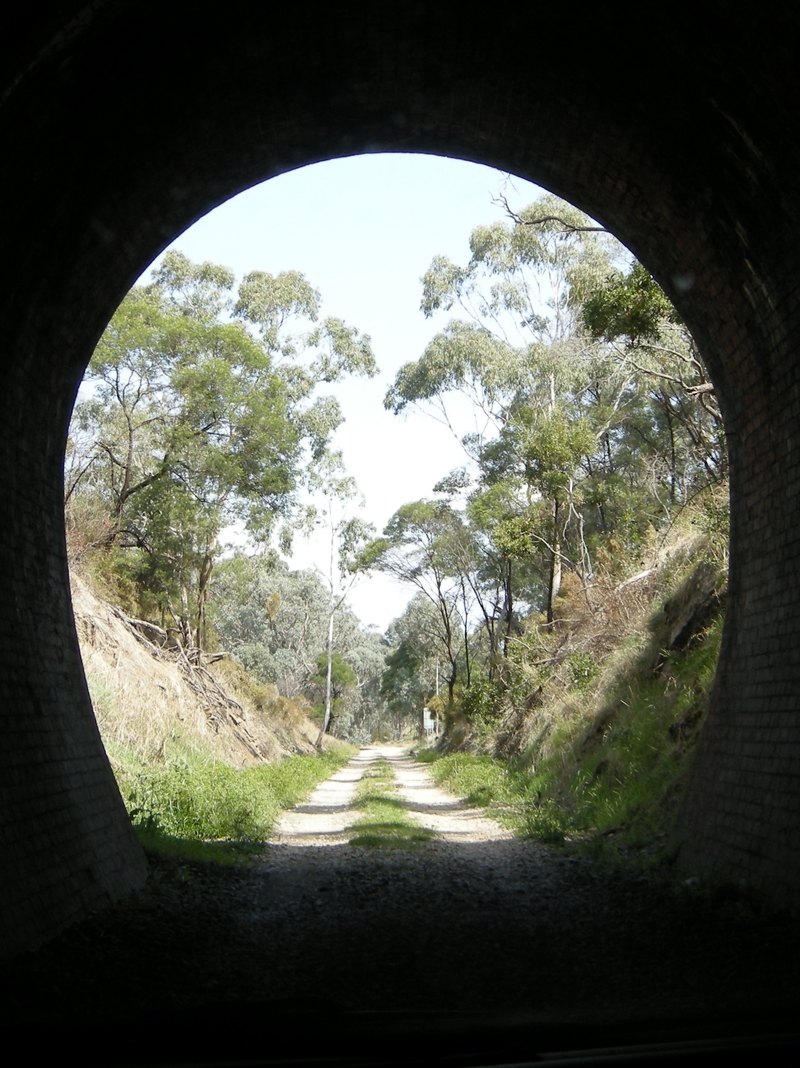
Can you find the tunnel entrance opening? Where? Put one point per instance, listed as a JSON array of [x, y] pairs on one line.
[[607, 426]]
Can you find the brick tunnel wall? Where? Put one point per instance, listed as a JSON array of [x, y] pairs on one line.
[[741, 815], [123, 131]]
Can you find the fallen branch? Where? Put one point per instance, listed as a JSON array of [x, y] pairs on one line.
[[635, 578]]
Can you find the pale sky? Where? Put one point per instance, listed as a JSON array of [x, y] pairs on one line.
[[363, 230]]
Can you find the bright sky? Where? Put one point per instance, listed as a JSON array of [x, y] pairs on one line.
[[363, 230]]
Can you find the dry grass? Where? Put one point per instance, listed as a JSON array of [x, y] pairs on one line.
[[147, 713]]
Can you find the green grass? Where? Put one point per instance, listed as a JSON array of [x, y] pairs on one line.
[[622, 776], [606, 782], [385, 822], [209, 811], [508, 794], [156, 843]]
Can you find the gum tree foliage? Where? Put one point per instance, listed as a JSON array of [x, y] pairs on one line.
[[424, 544], [678, 428], [275, 621], [334, 682], [410, 677], [522, 358], [362, 714], [335, 678], [593, 419], [202, 410]]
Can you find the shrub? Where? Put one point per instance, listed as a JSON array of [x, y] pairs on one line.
[[213, 801]]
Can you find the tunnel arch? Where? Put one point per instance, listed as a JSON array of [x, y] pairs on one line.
[[125, 121]]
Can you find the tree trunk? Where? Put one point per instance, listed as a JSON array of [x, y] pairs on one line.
[[203, 579], [183, 621], [507, 618], [554, 584], [327, 718]]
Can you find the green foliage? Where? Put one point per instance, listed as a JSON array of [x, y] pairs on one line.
[[402, 669], [582, 668], [623, 776], [607, 760], [202, 412], [599, 433], [426, 544], [713, 515], [632, 306], [385, 822], [408, 682], [462, 354], [212, 801], [596, 424], [481, 702], [552, 447], [342, 675], [342, 679], [275, 621]]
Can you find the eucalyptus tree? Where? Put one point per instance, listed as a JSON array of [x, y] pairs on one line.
[[362, 714], [271, 619], [592, 413], [202, 411], [525, 361], [336, 678], [275, 621], [420, 546], [410, 678], [680, 425], [346, 535]]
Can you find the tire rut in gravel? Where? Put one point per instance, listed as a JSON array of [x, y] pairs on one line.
[[474, 920], [328, 815]]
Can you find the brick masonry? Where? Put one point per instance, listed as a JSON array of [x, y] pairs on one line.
[[118, 130]]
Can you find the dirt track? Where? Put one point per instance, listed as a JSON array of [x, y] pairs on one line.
[[475, 920], [324, 818]]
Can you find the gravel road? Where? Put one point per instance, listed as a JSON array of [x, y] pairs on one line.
[[326, 816], [474, 920]]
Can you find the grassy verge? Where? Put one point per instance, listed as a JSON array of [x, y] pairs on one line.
[[511, 794], [210, 811], [484, 782], [608, 779], [385, 822]]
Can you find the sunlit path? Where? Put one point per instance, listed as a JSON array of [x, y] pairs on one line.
[[328, 815], [440, 811]]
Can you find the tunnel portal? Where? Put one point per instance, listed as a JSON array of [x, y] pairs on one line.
[[122, 122]]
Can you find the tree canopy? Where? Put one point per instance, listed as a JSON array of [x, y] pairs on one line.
[[202, 410], [595, 424]]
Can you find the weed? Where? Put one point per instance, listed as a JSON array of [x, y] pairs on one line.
[[385, 823], [211, 811], [425, 756], [154, 841]]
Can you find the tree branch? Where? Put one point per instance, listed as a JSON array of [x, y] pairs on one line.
[[568, 228]]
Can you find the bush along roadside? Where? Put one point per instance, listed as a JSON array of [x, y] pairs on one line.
[[602, 770], [210, 811]]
